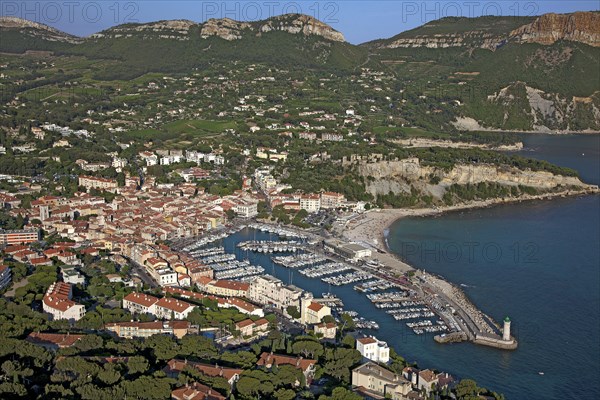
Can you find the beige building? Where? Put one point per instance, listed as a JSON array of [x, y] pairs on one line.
[[313, 312], [327, 329], [146, 329], [373, 378], [310, 202], [248, 327], [268, 290], [224, 288], [92, 182], [332, 200]]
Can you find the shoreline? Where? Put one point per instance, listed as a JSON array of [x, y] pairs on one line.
[[378, 222], [372, 229]]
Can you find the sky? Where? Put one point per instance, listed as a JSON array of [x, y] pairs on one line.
[[359, 20]]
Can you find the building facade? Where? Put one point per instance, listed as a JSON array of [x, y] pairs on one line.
[[373, 349], [380, 381]]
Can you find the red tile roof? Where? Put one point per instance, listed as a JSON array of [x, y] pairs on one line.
[[196, 391], [232, 285], [59, 339], [173, 304], [141, 298], [210, 370], [367, 340], [269, 359]]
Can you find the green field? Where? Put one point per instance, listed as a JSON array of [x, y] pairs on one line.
[[184, 129]]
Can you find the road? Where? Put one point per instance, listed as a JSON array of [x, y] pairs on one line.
[[141, 272]]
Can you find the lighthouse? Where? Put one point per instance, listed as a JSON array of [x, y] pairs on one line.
[[506, 330]]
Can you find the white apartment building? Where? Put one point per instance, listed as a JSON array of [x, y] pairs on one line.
[[269, 290], [167, 308], [246, 209], [373, 349], [139, 303], [310, 202]]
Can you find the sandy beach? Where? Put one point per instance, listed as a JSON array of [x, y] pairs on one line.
[[371, 227]]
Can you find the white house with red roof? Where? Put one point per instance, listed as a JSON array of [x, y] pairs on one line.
[[169, 307], [139, 303], [57, 302]]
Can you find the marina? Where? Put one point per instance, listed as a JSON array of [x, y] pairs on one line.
[[415, 304]]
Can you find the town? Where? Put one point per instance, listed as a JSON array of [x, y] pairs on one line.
[[143, 258], [207, 222]]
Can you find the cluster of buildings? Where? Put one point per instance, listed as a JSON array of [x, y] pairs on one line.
[[135, 216], [270, 291], [311, 202]]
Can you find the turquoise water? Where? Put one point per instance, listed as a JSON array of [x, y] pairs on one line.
[[537, 262]]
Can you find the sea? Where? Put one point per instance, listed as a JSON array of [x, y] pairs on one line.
[[536, 262]]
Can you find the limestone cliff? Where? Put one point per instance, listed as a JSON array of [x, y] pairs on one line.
[[168, 29], [545, 112], [224, 28], [36, 29], [229, 29], [494, 32], [398, 176], [581, 27], [304, 24]]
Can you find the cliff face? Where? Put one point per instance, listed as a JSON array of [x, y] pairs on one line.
[[581, 27], [544, 112], [169, 29], [225, 28], [303, 24], [396, 176], [440, 41], [229, 29], [36, 29]]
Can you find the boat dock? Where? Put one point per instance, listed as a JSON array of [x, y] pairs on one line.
[[264, 246]]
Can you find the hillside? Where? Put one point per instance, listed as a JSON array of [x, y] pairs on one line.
[[507, 73], [288, 40], [492, 32], [488, 73]]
